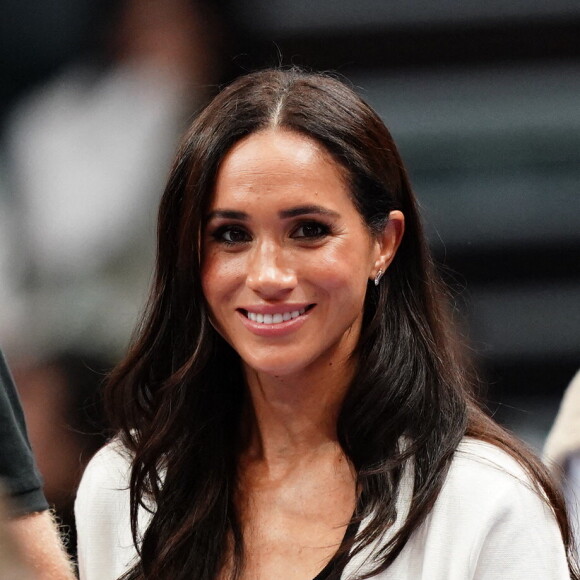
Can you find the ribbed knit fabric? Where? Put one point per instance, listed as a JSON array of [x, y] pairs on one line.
[[487, 524]]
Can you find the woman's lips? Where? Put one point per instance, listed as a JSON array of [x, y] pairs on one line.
[[269, 321], [274, 318]]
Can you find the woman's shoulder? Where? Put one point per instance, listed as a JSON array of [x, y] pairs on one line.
[[488, 521], [491, 508], [111, 463], [104, 486], [106, 476], [475, 459], [102, 511], [485, 476]]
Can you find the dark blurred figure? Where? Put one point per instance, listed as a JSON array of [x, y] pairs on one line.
[[61, 401], [30, 547], [87, 156]]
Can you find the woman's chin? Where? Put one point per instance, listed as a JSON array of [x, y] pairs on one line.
[[276, 368]]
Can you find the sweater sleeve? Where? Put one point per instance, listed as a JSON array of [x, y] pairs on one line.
[[102, 512], [523, 542], [488, 523], [517, 536]]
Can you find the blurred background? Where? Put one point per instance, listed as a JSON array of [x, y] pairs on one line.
[[483, 100]]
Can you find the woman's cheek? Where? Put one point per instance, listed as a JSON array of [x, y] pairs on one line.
[[335, 270], [220, 272]]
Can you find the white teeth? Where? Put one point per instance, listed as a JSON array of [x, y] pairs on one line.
[[275, 318]]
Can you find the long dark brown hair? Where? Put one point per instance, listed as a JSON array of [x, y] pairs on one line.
[[177, 397]]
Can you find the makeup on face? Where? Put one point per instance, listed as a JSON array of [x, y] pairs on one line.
[[287, 256]]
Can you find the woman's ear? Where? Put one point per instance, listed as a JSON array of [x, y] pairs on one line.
[[387, 243]]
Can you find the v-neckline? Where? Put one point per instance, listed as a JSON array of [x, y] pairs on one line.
[[336, 565]]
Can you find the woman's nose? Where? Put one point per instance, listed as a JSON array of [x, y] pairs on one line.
[[269, 273]]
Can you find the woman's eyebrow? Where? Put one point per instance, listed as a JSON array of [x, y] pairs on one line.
[[307, 209], [284, 214], [227, 214]]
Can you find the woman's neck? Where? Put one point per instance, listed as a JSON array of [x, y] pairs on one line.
[[292, 419]]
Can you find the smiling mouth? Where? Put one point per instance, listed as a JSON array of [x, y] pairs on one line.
[[277, 318]]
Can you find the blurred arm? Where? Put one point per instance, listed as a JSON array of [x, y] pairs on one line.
[[40, 545]]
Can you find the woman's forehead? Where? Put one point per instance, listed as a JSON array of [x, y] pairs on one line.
[[278, 163]]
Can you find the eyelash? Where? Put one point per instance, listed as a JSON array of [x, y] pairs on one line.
[[323, 230], [219, 235]]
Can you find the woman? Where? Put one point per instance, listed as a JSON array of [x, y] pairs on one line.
[[295, 404]]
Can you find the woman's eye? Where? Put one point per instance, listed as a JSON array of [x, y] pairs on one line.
[[231, 235], [311, 230]]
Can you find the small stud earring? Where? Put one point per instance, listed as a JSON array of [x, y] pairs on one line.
[[378, 277]]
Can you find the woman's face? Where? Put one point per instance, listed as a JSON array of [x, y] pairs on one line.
[[286, 255]]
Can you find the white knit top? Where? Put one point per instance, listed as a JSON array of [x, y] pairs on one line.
[[487, 524]]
